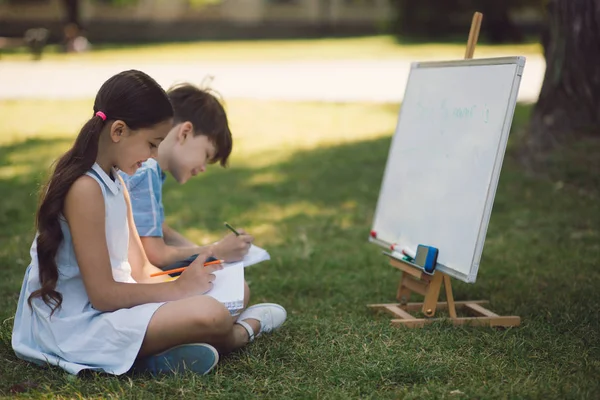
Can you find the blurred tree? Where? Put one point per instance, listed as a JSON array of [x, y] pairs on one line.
[[498, 26], [202, 3], [569, 103], [192, 3], [74, 39], [434, 19], [72, 12], [120, 2], [426, 19]]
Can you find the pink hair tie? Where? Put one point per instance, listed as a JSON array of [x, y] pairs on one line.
[[101, 115]]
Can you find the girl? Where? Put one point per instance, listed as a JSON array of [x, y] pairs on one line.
[[87, 301]]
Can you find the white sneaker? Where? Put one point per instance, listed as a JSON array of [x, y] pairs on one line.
[[271, 317]]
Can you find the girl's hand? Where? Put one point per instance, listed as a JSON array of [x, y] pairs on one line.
[[197, 279]]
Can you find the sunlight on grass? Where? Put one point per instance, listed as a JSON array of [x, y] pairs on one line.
[[21, 119], [29, 155], [12, 171], [374, 47], [304, 182], [41, 152], [199, 235], [265, 132], [265, 222], [284, 128], [269, 178], [273, 213]]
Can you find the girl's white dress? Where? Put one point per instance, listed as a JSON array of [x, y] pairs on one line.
[[77, 336]]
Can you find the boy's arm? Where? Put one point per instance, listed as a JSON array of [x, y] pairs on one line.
[[147, 217], [174, 238], [141, 267], [164, 247], [161, 254]]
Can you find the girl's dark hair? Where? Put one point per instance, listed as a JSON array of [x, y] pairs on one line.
[[203, 109], [130, 96]]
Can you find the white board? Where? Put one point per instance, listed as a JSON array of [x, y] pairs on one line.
[[445, 159]]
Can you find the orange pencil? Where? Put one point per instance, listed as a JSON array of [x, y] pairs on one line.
[[173, 271]]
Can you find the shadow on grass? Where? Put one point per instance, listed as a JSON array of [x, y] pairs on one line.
[[313, 212], [23, 168]]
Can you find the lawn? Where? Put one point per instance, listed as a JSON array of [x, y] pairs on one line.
[[304, 180], [374, 47]]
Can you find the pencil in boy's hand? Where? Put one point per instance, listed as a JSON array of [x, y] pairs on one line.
[[231, 229], [174, 271]]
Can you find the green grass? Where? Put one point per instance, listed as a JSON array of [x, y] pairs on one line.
[[375, 47], [305, 180]]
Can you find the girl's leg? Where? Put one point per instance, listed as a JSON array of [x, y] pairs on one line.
[[199, 319]]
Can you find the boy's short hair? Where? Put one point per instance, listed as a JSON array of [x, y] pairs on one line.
[[202, 108]]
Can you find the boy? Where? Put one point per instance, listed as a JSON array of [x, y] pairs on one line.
[[200, 136]]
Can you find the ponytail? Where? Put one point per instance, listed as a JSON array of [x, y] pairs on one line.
[[73, 164]]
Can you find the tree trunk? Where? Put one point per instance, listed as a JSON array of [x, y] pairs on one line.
[[498, 27], [72, 12], [568, 107], [72, 28]]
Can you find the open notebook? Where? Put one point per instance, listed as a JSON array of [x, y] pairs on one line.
[[255, 255], [228, 287], [229, 283]]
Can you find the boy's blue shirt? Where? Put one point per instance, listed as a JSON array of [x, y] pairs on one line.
[[145, 192]]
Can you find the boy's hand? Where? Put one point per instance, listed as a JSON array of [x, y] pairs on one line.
[[197, 279], [233, 248]]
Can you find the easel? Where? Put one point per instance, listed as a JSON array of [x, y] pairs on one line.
[[414, 279]]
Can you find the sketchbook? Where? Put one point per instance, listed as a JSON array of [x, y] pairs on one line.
[[228, 286], [255, 255]]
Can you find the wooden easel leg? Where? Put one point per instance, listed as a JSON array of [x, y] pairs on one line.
[[449, 296], [473, 35], [432, 295], [403, 293]]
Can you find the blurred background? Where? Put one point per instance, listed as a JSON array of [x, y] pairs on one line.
[[134, 21], [261, 49], [312, 89]]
